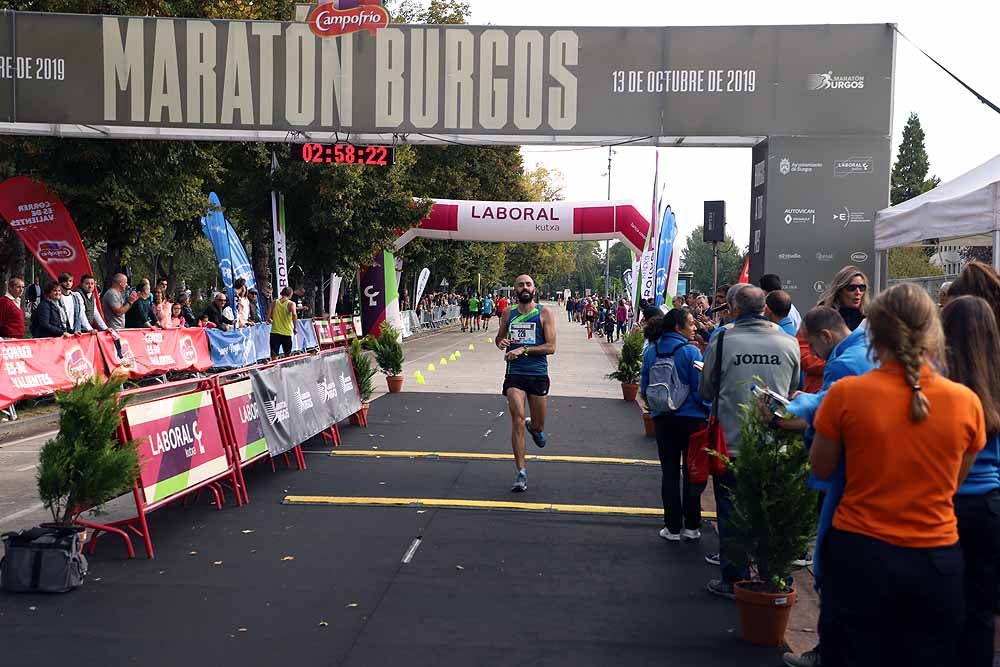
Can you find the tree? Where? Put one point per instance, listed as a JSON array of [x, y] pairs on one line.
[[542, 184], [621, 259], [909, 174], [911, 263], [696, 257]]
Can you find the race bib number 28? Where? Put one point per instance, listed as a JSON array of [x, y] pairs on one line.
[[523, 333]]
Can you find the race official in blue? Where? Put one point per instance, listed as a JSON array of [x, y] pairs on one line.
[[681, 504], [846, 354], [778, 309]]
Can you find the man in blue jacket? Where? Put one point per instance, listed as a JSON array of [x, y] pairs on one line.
[[681, 508], [846, 354]]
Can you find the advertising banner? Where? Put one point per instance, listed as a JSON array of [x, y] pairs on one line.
[[322, 328], [647, 288], [155, 351], [342, 392], [297, 398], [179, 443], [305, 336], [628, 278], [425, 274], [245, 416], [233, 260], [280, 241], [42, 366], [220, 77], [39, 218], [533, 222], [372, 296], [664, 254], [239, 347]]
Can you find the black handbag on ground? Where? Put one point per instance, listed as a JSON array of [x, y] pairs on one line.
[[45, 559]]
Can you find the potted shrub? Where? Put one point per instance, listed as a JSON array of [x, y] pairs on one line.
[[773, 520], [80, 469], [389, 356], [629, 364], [364, 373]]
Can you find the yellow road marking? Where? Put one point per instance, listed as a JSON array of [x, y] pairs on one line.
[[480, 456], [478, 504]]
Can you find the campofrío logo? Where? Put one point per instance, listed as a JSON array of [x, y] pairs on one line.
[[830, 81], [78, 367], [333, 19], [56, 251]]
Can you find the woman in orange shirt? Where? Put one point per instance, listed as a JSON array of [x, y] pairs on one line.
[[892, 588]]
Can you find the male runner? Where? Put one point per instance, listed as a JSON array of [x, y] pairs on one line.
[[527, 335], [474, 311], [487, 306]]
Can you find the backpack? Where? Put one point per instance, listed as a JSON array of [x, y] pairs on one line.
[[666, 392]]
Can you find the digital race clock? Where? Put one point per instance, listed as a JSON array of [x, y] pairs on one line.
[[382, 156]]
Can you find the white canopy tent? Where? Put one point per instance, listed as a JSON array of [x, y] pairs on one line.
[[964, 212]]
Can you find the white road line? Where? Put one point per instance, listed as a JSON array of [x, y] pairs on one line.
[[408, 556], [32, 466], [487, 434], [19, 514], [28, 439]]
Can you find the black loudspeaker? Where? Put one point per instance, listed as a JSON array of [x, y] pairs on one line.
[[715, 222]]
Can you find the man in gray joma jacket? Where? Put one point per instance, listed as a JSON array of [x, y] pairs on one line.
[[754, 350]]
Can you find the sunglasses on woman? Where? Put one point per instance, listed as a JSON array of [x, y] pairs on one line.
[[857, 288]]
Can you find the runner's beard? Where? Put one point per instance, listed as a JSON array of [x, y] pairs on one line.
[[524, 296]]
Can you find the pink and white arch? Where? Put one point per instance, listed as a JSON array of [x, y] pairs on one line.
[[533, 222]]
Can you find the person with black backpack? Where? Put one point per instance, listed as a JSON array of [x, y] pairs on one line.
[[670, 388]]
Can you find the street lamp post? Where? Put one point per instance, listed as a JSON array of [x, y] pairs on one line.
[[607, 243]]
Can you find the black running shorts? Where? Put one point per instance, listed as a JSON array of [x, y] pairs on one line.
[[533, 385]]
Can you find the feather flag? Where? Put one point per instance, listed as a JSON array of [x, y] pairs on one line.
[[664, 253]]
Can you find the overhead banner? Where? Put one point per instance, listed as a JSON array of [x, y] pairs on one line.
[[245, 416], [145, 352], [425, 274], [535, 222], [41, 221], [301, 398], [239, 347], [219, 77], [233, 260], [42, 366], [180, 445]]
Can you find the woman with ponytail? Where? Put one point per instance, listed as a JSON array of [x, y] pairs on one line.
[[893, 568]]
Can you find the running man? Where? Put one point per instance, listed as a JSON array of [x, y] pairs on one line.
[[527, 335], [474, 311], [487, 311]]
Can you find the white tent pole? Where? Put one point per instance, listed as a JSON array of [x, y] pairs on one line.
[[996, 250], [878, 270]]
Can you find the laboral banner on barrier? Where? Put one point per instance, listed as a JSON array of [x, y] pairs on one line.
[[295, 397], [245, 417], [154, 351], [239, 347], [179, 443], [42, 366], [39, 218]]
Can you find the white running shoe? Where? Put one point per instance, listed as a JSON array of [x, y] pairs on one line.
[[691, 535], [670, 537]]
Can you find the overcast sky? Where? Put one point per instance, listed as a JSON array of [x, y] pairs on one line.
[[961, 132]]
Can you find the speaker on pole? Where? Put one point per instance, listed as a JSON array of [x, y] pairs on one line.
[[715, 222]]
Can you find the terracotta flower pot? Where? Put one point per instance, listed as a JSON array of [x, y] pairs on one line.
[[630, 391], [647, 421], [763, 616], [395, 383]]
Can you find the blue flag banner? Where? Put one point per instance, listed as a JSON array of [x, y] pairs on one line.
[[664, 249], [305, 336], [239, 347], [232, 258]]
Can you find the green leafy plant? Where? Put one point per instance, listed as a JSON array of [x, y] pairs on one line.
[[388, 350], [363, 370], [85, 465], [774, 510], [629, 359]]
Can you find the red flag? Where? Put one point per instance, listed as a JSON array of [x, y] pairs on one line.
[[35, 213], [745, 273]]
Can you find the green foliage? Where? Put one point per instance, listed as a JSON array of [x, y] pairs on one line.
[[629, 359], [774, 510], [911, 263], [388, 350], [621, 259], [363, 370], [909, 174], [85, 466], [696, 257]]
